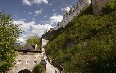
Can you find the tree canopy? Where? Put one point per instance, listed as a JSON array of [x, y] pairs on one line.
[[9, 32], [32, 40]]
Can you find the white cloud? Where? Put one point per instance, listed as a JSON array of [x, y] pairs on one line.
[[45, 16], [21, 40], [54, 10], [51, 4], [39, 1], [31, 28], [66, 8], [55, 19], [29, 13], [24, 25], [26, 2], [30, 2], [38, 12], [33, 19], [22, 19]]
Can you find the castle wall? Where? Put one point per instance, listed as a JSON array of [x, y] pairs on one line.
[[98, 5], [26, 61], [74, 11], [44, 42]]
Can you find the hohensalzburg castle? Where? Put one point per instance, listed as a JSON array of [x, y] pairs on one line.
[[74, 11], [78, 8], [28, 57]]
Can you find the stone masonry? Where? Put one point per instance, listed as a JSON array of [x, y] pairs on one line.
[[98, 5], [26, 61]]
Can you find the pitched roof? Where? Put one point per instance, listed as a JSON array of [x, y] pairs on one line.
[[27, 48]]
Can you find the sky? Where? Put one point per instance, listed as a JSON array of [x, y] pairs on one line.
[[36, 16]]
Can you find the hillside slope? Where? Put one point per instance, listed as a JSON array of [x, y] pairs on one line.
[[87, 44]]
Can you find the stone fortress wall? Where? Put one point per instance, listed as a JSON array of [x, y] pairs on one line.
[[74, 11], [98, 5], [26, 61]]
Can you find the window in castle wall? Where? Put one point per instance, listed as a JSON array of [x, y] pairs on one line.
[[81, 3], [77, 9], [35, 61], [55, 71], [58, 25], [25, 52], [71, 14], [27, 62], [19, 60], [34, 57]]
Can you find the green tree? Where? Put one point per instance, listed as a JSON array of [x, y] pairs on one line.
[[39, 69], [9, 32], [32, 40]]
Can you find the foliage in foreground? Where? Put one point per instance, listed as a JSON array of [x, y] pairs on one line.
[[39, 69], [9, 32], [88, 44]]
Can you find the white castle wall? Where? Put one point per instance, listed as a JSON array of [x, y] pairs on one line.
[[26, 61], [44, 42], [74, 11], [49, 68]]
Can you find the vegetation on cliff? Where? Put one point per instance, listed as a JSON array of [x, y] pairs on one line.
[[87, 44]]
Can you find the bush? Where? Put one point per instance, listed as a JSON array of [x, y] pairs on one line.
[[111, 6], [39, 69]]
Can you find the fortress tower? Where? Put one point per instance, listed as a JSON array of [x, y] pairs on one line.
[[98, 5]]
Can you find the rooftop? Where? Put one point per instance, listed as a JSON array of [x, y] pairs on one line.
[[28, 48]]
